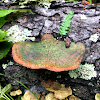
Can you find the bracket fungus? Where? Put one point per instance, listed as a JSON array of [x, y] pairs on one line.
[[49, 54]]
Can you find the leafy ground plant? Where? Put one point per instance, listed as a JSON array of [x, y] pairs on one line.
[[19, 83], [66, 24], [4, 92], [2, 35], [4, 44], [5, 48], [4, 13]]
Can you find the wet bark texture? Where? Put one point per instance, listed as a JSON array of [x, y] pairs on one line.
[[48, 21]]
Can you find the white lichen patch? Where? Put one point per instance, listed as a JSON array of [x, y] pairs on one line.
[[83, 71], [82, 16], [17, 34], [94, 37]]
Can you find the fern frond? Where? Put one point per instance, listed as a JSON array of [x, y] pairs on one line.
[[66, 24]]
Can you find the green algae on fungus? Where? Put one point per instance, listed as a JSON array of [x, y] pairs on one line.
[[49, 54]]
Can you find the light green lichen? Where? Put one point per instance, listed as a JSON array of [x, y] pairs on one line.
[[85, 71], [17, 34], [5, 65]]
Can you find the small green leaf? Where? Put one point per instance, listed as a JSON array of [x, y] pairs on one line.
[[5, 96], [66, 24], [2, 21], [7, 89], [3, 40], [2, 98], [5, 48], [2, 34], [9, 96], [6, 12], [19, 97], [4, 92], [90, 1]]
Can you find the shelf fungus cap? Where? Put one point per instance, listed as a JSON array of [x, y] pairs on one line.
[[49, 54]]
